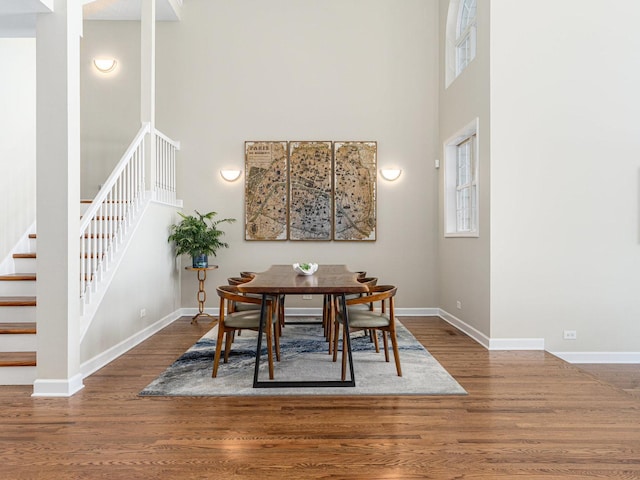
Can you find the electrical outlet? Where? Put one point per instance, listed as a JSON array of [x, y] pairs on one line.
[[307, 297], [570, 335], [459, 305], [143, 313]]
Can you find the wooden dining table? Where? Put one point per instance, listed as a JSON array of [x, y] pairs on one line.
[[335, 280]]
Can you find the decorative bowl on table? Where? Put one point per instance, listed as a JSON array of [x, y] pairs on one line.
[[305, 268]]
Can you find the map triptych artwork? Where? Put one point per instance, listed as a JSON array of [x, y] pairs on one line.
[[310, 190]]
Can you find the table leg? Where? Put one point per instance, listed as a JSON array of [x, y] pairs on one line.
[[263, 308], [302, 383], [345, 315]]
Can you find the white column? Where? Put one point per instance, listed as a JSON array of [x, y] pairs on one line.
[[58, 195], [148, 83]]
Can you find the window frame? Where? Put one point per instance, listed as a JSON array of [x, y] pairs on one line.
[[468, 136], [455, 37]]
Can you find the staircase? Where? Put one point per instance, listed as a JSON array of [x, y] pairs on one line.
[[18, 320], [18, 344], [104, 227]]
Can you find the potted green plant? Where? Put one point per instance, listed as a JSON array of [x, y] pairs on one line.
[[198, 235]]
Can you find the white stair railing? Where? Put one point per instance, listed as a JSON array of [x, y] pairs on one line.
[[165, 165], [105, 223]]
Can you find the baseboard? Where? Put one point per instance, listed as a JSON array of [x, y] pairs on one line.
[[492, 343], [64, 387], [599, 357], [475, 334], [99, 361]]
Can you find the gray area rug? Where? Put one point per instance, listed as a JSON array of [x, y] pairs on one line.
[[304, 357]]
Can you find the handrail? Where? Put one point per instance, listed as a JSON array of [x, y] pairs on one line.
[[105, 224], [111, 180], [174, 143]]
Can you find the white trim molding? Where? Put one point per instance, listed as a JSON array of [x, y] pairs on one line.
[[492, 343], [475, 334], [99, 361], [63, 387]]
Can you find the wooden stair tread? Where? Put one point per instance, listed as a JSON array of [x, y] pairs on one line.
[[17, 301], [18, 277], [98, 235], [17, 328], [17, 359], [25, 255]]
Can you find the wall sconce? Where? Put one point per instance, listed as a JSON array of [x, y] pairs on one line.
[[230, 175], [105, 65], [390, 174]]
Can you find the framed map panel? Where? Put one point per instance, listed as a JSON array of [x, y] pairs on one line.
[[310, 192], [266, 187], [355, 190]]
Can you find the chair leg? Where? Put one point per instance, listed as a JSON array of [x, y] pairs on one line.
[[331, 325], [386, 345], [396, 353], [336, 335], [276, 334], [281, 319], [216, 358], [374, 334], [227, 345], [325, 320]]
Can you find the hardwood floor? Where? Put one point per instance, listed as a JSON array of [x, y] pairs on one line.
[[528, 415], [626, 377]]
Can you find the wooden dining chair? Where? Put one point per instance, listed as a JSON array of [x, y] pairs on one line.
[[382, 320], [233, 321], [246, 277], [330, 306]]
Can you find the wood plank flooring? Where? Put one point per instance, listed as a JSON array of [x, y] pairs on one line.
[[624, 376], [528, 415]]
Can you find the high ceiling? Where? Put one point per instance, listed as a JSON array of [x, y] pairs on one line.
[[128, 10], [18, 17]]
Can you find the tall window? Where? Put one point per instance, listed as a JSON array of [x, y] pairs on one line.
[[466, 35], [461, 184], [466, 186]]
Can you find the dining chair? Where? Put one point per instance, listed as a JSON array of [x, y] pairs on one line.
[[247, 276], [233, 321], [382, 320], [330, 306], [244, 278]]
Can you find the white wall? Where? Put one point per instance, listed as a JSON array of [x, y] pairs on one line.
[[147, 278], [110, 102], [565, 175], [464, 262], [17, 140], [314, 70]]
